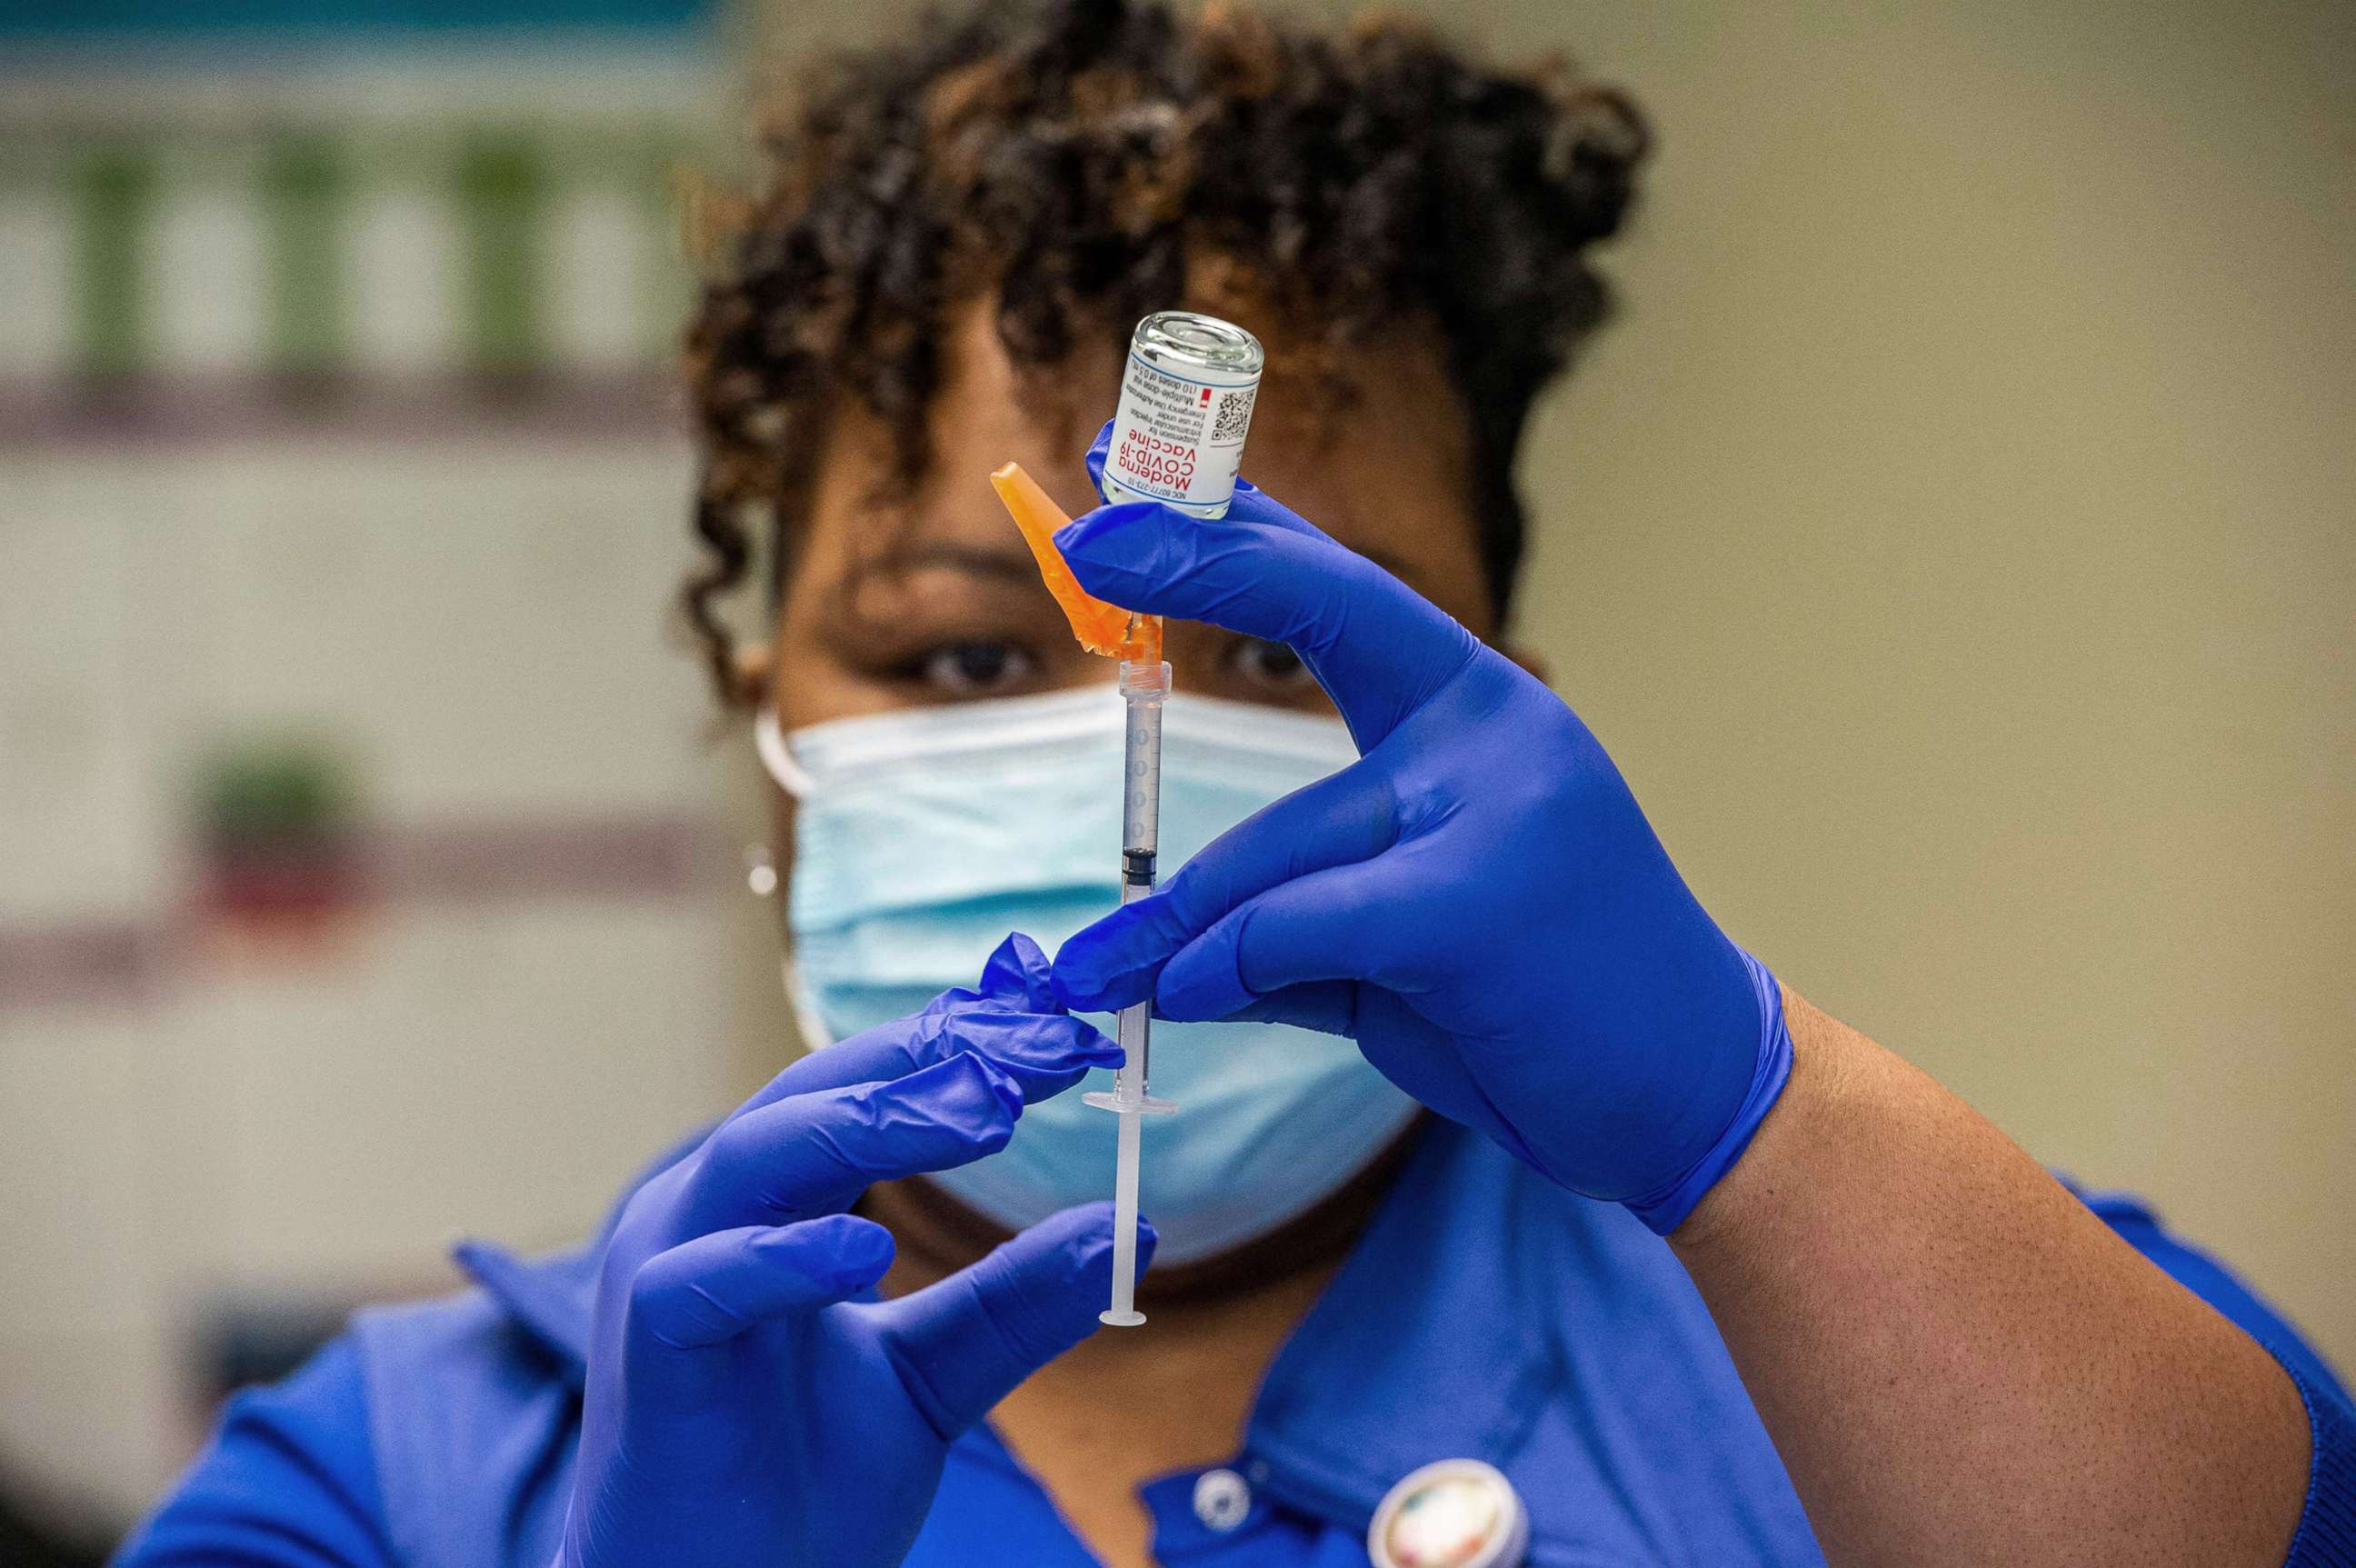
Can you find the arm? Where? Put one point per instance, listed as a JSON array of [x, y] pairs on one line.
[[1958, 1362], [1961, 1364]]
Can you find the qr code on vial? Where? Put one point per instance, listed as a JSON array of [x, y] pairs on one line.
[[1234, 417]]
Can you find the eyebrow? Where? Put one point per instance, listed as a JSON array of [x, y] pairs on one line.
[[1013, 566], [1016, 567]]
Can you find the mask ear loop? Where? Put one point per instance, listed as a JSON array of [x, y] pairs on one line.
[[778, 757], [807, 1023], [795, 781]]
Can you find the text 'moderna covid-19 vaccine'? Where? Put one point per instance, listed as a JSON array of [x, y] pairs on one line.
[[1186, 397]]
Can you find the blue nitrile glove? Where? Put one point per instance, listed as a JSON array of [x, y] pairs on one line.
[[742, 1407], [1477, 900]]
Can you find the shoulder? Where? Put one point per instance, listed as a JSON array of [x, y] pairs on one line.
[[289, 1479], [473, 1410], [2327, 1522], [2215, 1281], [437, 1432]]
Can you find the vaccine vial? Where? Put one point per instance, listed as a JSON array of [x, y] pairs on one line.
[[1186, 403]]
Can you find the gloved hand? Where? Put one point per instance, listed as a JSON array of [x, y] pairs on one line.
[[1477, 900], [742, 1407]]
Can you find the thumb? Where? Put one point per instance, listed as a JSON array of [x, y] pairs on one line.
[[686, 1305], [1341, 819], [962, 1345], [1018, 973]]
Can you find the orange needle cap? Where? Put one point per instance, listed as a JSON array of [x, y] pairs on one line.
[[1101, 627]]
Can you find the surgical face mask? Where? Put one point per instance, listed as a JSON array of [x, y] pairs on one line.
[[924, 835]]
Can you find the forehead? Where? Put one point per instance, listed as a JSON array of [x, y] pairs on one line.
[[1374, 455]]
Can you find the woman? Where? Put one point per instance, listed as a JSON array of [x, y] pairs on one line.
[[1454, 1045]]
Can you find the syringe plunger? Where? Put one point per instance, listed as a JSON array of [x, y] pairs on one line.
[[1142, 688]]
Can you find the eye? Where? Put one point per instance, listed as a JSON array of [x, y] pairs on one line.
[[1270, 666], [975, 669]]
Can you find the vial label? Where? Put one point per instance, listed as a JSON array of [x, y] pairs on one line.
[[1176, 438]]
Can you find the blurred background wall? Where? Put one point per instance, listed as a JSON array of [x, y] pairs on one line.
[[360, 880], [1956, 542]]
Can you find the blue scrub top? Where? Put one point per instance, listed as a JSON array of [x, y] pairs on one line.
[[1485, 1314]]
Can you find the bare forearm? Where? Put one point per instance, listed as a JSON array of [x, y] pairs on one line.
[[1957, 1362]]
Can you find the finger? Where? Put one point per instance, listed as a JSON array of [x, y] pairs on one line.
[[1339, 924], [1014, 976], [814, 1154], [1379, 649], [1018, 973], [1098, 449], [688, 1303], [962, 1345], [1045, 1052], [1249, 499], [1012, 1018], [1327, 1006], [1348, 817], [708, 1291]]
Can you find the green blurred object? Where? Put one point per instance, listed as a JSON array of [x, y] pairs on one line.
[[117, 184], [277, 789], [306, 189], [502, 191], [274, 217], [279, 819]]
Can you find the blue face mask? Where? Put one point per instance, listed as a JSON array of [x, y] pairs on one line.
[[924, 835]]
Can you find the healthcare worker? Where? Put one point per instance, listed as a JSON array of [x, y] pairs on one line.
[[1514, 1213]]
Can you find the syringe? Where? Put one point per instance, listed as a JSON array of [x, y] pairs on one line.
[[1135, 640], [1187, 397], [1143, 685]]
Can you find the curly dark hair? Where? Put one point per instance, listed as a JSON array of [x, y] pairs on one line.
[[1079, 163]]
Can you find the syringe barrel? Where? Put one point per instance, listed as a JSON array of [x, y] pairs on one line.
[[1142, 688]]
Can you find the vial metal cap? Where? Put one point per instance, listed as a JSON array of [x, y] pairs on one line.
[[1456, 1513], [1205, 343]]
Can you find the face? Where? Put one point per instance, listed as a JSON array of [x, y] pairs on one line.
[[932, 598]]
